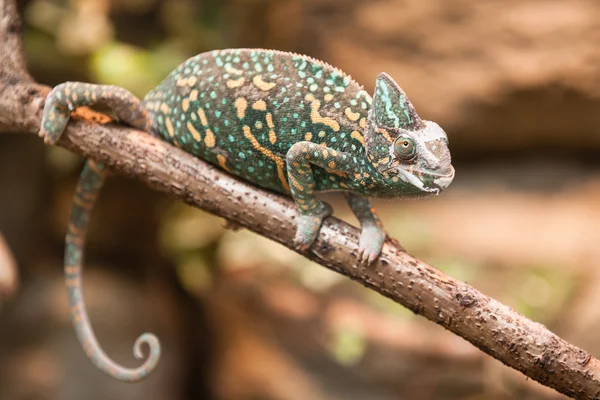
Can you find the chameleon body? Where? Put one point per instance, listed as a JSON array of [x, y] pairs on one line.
[[282, 121]]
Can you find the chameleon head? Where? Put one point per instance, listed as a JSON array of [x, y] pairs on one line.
[[411, 155]]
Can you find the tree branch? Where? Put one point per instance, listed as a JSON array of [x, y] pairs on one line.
[[491, 326]]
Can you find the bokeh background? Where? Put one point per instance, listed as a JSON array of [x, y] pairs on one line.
[[515, 83]]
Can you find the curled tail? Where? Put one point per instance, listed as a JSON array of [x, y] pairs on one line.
[[61, 100]]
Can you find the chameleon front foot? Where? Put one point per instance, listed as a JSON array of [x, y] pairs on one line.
[[309, 226], [371, 243]]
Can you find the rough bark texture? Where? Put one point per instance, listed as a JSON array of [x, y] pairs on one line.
[[494, 328]]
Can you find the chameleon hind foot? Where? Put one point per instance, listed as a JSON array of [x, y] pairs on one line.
[[309, 225]]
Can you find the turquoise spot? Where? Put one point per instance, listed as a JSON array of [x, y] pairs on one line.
[[258, 67], [302, 74], [310, 79], [231, 138], [251, 169], [293, 131], [270, 68], [333, 139], [246, 65], [284, 119], [236, 59], [260, 163], [217, 113], [329, 81], [224, 101], [207, 105], [226, 122], [295, 115], [353, 102], [303, 124], [326, 89], [314, 87], [219, 62], [213, 95], [337, 104]]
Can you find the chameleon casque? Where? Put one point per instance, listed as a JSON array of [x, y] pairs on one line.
[[282, 121]]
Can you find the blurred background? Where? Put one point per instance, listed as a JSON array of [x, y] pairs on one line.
[[515, 83]]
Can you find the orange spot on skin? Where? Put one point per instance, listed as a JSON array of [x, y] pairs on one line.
[[352, 116], [269, 154], [170, 127], [385, 134], [202, 116], [222, 160], [240, 105], [328, 97], [357, 135], [236, 83], [192, 80], [363, 123], [209, 139], [297, 185], [318, 118], [194, 132], [331, 164], [164, 108], [308, 136], [194, 95], [260, 105], [262, 85], [185, 104]]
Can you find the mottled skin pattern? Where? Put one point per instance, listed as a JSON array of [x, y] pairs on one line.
[[285, 122]]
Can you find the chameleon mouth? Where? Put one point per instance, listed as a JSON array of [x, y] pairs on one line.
[[443, 181], [440, 181]]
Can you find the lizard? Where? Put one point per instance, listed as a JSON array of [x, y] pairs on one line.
[[285, 122]]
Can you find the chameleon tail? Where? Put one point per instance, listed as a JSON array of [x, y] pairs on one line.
[[60, 102], [88, 188]]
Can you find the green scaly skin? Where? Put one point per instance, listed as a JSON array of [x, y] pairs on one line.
[[282, 121]]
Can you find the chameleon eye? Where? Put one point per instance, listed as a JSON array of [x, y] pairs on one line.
[[404, 147]]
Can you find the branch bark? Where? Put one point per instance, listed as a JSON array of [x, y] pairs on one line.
[[491, 326]]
